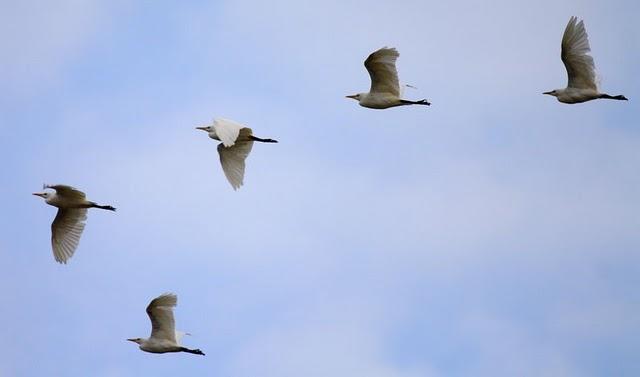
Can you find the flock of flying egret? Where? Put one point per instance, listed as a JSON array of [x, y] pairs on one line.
[[236, 142]]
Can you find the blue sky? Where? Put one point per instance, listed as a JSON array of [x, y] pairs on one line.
[[494, 233]]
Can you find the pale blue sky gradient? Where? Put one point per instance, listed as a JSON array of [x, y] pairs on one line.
[[494, 233]]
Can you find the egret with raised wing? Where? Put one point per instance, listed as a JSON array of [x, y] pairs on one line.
[[164, 337], [69, 223], [580, 67], [385, 87], [237, 141]]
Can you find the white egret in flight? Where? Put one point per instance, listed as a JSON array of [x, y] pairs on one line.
[[237, 141], [385, 88], [582, 84], [164, 337], [68, 225]]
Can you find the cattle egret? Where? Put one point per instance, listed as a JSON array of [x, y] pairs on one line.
[[582, 84], [237, 141], [164, 337], [385, 88], [68, 225]]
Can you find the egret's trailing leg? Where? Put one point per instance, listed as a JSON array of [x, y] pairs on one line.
[[619, 97], [196, 351], [263, 140], [420, 102], [108, 208]]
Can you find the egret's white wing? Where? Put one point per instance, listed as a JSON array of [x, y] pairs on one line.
[[66, 230], [68, 192], [160, 311], [382, 69], [227, 131], [232, 158], [575, 50]]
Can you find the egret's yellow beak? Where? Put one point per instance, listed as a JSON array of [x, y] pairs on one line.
[[352, 96], [201, 128], [549, 93], [131, 340], [40, 194]]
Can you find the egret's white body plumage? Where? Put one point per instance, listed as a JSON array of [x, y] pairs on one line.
[[236, 143], [164, 337], [582, 85], [69, 223], [385, 87]]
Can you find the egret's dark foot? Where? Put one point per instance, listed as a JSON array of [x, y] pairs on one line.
[[108, 208]]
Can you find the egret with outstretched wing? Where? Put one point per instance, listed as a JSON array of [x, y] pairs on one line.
[[69, 223], [385, 87], [581, 69], [164, 337], [236, 143]]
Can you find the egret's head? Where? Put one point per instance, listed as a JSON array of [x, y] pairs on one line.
[[205, 128], [135, 340], [43, 195], [552, 93], [355, 96]]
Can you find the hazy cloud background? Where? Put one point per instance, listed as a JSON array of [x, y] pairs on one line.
[[492, 234]]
